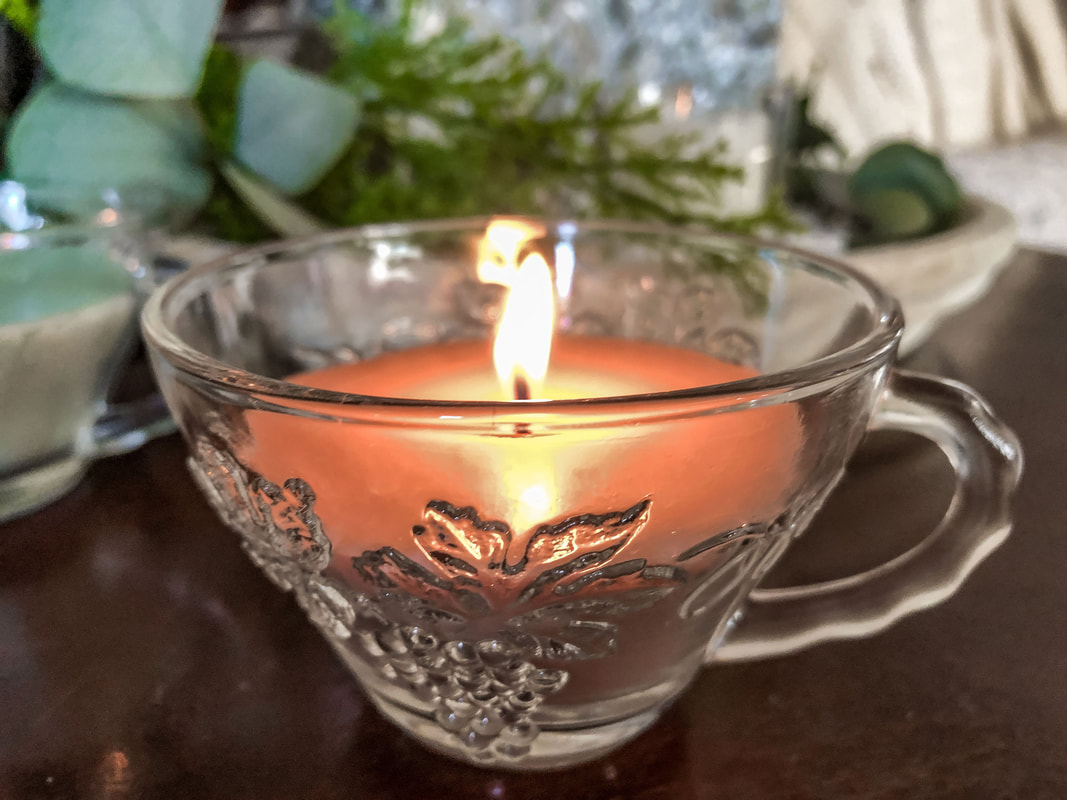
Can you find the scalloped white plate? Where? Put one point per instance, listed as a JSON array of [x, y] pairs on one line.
[[939, 275]]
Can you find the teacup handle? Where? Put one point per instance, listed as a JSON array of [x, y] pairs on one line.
[[987, 460], [123, 427]]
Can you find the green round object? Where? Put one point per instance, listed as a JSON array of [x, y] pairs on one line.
[[898, 180], [896, 214]]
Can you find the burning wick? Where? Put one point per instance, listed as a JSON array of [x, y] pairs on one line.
[[523, 341], [522, 388], [522, 392]]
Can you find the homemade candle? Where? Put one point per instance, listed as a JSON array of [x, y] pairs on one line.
[[375, 484], [452, 505], [537, 466], [741, 460]]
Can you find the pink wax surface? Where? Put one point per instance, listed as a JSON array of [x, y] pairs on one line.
[[704, 473]]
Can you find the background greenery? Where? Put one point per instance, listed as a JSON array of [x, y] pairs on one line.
[[393, 126]]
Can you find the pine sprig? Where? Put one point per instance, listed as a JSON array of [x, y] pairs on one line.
[[457, 125]]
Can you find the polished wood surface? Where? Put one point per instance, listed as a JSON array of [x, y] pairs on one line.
[[142, 655]]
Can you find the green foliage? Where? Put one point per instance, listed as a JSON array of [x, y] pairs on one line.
[[402, 127], [128, 48], [68, 137], [808, 141], [291, 126], [900, 191], [92, 127], [228, 216], [807, 135], [455, 125], [217, 98], [277, 212]]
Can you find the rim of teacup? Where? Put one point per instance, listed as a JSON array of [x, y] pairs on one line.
[[32, 213], [875, 347]]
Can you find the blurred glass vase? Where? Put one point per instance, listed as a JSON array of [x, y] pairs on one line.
[[708, 66], [72, 272]]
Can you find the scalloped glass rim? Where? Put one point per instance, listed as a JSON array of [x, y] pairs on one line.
[[875, 346]]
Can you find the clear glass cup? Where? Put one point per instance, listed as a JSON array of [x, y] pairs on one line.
[[538, 629], [73, 275]]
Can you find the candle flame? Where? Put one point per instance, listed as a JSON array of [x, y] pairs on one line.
[[498, 252], [524, 336], [524, 339]]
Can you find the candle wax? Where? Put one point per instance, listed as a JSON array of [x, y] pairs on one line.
[[373, 481], [702, 474]]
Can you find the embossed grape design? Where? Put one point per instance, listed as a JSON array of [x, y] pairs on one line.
[[484, 693], [466, 625]]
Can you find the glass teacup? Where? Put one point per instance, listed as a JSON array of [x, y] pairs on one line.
[[528, 583], [73, 274]]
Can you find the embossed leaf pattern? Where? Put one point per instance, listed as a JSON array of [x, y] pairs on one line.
[[580, 547], [329, 607], [566, 630], [222, 481], [557, 600], [286, 514], [280, 530], [473, 574], [458, 541], [394, 574], [590, 538], [459, 622]]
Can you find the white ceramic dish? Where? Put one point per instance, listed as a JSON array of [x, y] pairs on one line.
[[938, 275]]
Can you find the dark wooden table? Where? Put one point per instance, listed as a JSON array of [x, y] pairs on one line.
[[141, 655]]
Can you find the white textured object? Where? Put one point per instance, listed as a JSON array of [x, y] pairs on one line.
[[1030, 178], [947, 73], [931, 277]]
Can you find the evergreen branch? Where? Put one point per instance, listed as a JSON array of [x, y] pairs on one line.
[[455, 125]]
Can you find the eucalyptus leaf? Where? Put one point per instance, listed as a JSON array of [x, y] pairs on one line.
[[133, 48], [291, 126], [280, 215], [64, 136]]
